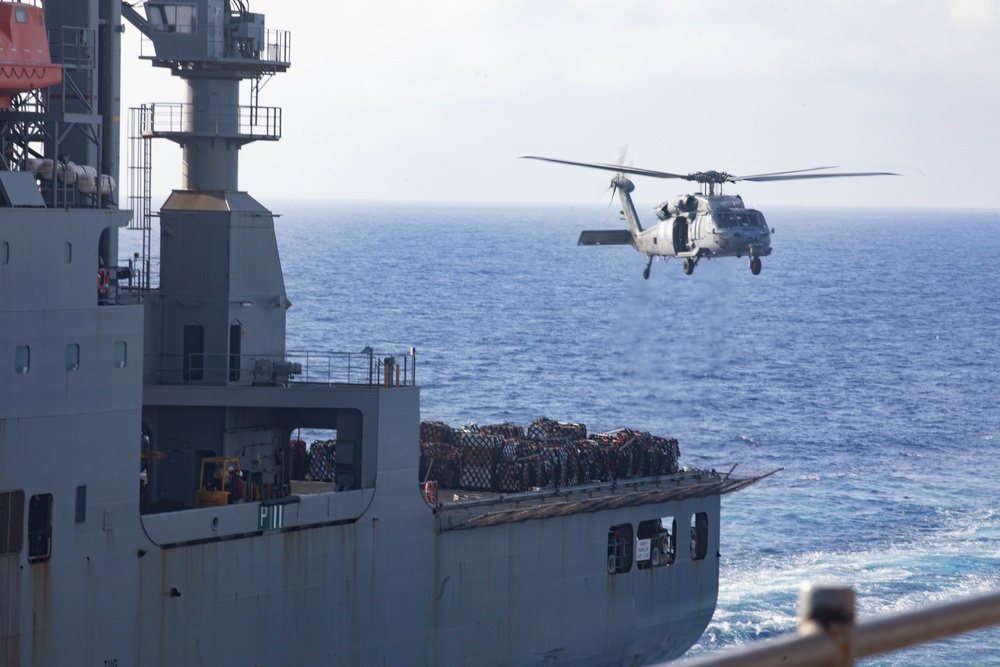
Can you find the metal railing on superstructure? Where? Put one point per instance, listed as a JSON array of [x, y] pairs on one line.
[[276, 49], [175, 119], [294, 367]]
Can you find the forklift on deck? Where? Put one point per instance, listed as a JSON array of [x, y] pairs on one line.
[[212, 488]]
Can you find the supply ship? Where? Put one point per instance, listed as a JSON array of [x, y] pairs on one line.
[[155, 508]]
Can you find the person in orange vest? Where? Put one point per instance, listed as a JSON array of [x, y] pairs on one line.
[[236, 487]]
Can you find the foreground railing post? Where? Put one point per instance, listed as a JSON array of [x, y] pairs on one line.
[[829, 636], [830, 609]]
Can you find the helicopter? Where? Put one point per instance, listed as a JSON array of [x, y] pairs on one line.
[[694, 226]]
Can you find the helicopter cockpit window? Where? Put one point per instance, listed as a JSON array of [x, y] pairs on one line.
[[725, 219]]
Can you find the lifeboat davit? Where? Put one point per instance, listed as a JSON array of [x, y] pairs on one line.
[[25, 61]]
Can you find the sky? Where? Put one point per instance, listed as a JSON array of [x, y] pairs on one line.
[[395, 100]]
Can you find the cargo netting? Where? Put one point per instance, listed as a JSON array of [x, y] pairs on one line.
[[318, 463], [546, 454]]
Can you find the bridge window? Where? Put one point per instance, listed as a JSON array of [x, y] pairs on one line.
[[21, 15], [181, 19], [40, 528], [11, 522], [620, 548], [699, 536]]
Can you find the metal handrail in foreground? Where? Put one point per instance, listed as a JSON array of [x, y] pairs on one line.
[[829, 637]]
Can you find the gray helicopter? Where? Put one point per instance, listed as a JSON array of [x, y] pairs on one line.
[[695, 226]]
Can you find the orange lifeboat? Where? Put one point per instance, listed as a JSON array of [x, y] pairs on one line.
[[25, 61]]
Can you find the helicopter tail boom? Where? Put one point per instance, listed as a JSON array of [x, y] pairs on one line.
[[625, 187]]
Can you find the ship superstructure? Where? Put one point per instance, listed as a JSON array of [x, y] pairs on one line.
[[132, 410]]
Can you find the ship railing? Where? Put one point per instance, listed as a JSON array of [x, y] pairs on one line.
[[276, 49], [177, 119], [477, 509], [829, 636], [331, 368], [73, 47], [119, 285]]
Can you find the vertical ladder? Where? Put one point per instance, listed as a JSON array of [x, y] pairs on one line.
[[140, 196]]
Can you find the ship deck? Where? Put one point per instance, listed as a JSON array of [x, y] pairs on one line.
[[458, 509]]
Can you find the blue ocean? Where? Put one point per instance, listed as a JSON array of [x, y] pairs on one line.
[[864, 361]]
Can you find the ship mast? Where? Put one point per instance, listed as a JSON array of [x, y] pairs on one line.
[[221, 294]]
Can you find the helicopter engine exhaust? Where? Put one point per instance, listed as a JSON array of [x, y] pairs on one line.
[[676, 206]]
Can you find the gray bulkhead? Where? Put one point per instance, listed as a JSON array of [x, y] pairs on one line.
[[68, 421], [219, 270]]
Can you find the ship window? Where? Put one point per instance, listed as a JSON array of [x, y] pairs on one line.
[[182, 19], [22, 359], [699, 536], [4, 252], [40, 528], [194, 352], [655, 543], [120, 354], [72, 357], [21, 15], [620, 548], [11, 522], [81, 503], [669, 525], [68, 252]]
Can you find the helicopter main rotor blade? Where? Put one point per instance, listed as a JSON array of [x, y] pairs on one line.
[[793, 177], [609, 167], [777, 173]]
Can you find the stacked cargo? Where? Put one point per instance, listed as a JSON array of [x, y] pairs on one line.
[[507, 458], [300, 459], [322, 465]]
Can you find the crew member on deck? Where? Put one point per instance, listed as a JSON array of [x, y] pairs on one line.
[[236, 487]]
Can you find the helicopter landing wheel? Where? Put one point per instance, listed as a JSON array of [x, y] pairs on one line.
[[688, 266], [755, 265]]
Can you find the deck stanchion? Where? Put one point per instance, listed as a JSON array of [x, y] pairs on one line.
[[829, 609]]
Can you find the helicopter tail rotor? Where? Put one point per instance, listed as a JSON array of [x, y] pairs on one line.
[[620, 182]]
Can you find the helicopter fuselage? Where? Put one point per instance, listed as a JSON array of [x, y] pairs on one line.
[[705, 226], [699, 226]]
